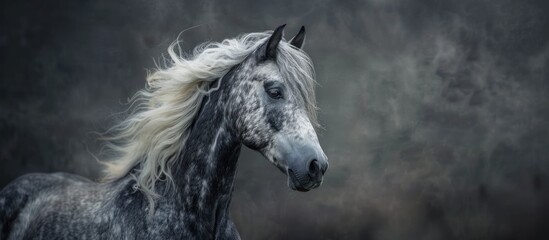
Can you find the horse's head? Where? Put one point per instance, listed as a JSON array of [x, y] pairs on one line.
[[274, 111]]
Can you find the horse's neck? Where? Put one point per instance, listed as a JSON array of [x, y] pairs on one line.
[[205, 173]]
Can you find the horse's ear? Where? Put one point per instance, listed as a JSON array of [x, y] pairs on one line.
[[269, 50], [298, 40]]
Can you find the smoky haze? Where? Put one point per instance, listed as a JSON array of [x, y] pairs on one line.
[[435, 113]]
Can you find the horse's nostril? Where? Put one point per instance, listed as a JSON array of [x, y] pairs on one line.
[[314, 168]]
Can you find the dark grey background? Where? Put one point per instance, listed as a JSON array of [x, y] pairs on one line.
[[435, 112]]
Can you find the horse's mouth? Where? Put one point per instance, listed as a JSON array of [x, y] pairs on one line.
[[297, 184]]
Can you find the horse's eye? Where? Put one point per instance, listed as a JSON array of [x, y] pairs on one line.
[[274, 93]]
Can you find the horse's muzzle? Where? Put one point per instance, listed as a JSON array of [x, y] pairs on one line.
[[304, 177]]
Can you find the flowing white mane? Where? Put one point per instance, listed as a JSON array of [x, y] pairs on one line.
[[153, 136]]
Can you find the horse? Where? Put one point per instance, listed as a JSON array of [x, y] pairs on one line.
[[174, 157]]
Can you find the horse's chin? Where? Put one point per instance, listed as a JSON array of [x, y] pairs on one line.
[[296, 186]]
